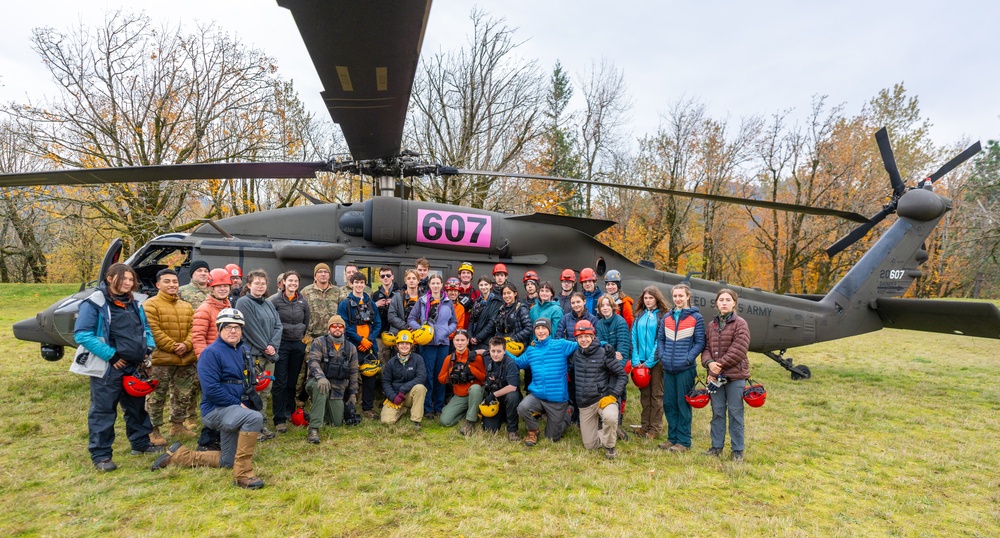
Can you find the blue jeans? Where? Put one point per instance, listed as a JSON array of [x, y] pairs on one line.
[[728, 398], [230, 421], [106, 393], [434, 361], [676, 408]]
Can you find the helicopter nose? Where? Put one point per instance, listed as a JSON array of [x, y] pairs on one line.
[[31, 330]]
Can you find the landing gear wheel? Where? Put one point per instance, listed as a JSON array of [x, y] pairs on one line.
[[800, 372]]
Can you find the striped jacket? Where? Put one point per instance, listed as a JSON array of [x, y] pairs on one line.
[[680, 340]]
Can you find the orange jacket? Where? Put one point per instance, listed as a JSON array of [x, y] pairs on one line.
[[203, 331], [476, 366], [626, 309]]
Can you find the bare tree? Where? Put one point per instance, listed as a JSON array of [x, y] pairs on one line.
[[478, 108], [602, 123], [22, 256]]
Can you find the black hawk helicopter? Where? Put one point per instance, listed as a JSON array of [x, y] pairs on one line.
[[367, 80]]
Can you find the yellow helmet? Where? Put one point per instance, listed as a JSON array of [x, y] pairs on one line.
[[370, 369], [404, 336], [388, 339], [466, 266], [514, 347], [423, 335], [489, 409]]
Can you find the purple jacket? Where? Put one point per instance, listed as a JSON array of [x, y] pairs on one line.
[[444, 324]]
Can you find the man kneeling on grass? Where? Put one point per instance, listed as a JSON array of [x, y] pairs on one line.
[[333, 377], [404, 381], [600, 382], [503, 385], [466, 374], [228, 393], [549, 389]]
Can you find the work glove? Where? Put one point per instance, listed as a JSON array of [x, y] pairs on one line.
[[323, 386], [365, 345], [389, 404], [606, 401], [307, 339], [352, 399], [398, 400]]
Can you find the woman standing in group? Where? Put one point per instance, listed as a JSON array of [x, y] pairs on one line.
[[680, 339], [725, 356], [612, 287], [403, 302], [612, 329], [652, 306], [577, 313], [262, 332], [434, 309], [513, 320], [482, 318], [547, 305], [293, 311]]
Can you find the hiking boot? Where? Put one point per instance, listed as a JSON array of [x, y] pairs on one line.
[[678, 448], [157, 438], [105, 465], [714, 452], [665, 446], [265, 434], [622, 435], [610, 453], [313, 436], [466, 428], [281, 428], [178, 429], [150, 449], [164, 458], [416, 425], [737, 455], [513, 437], [191, 424], [532, 438]]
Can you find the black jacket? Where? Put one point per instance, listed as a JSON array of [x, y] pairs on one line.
[[597, 374], [483, 317], [294, 315], [398, 377], [514, 321]]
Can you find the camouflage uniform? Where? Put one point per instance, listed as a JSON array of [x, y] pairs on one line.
[[193, 294], [346, 291], [340, 367], [322, 305], [181, 380]]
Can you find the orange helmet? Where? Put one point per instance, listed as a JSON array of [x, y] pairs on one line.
[[641, 376], [587, 274], [137, 386], [453, 284], [530, 275], [263, 380], [568, 275], [499, 268], [583, 327], [234, 270], [754, 394], [218, 277], [300, 417]]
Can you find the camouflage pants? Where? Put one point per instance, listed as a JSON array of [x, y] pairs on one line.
[[179, 382]]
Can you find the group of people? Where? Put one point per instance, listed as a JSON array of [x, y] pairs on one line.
[[439, 348]]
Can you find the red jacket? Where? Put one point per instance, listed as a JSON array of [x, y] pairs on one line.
[[476, 366], [203, 331]]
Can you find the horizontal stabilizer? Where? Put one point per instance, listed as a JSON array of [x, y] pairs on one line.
[[939, 316], [591, 227]]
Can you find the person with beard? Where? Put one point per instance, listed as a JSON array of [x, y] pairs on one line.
[[197, 289], [333, 377], [600, 383], [236, 275], [112, 325], [467, 292]]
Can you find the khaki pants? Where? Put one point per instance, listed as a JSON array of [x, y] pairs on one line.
[[414, 400], [651, 399], [599, 433]]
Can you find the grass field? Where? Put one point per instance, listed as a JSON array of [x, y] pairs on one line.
[[896, 434]]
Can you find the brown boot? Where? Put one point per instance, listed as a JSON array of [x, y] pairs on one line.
[[179, 455], [177, 429], [532, 438], [242, 466], [156, 437]]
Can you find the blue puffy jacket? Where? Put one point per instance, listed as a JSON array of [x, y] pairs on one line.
[[444, 324], [591, 298], [614, 331], [92, 328], [680, 339], [220, 371], [549, 363], [644, 338]]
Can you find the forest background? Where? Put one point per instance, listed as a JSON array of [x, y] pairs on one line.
[[138, 92]]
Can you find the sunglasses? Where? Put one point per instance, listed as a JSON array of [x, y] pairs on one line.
[[385, 276]]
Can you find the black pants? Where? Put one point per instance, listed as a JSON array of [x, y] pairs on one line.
[[106, 394], [286, 374], [507, 414], [368, 384]]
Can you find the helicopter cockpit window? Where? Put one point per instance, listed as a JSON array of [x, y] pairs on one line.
[[156, 257], [601, 267]]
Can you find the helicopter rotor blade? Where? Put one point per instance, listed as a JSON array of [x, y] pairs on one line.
[[796, 208], [957, 160], [856, 234], [889, 161], [165, 172]]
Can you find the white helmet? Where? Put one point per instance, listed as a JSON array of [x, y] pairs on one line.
[[229, 315]]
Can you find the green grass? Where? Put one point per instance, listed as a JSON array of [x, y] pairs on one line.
[[896, 434]]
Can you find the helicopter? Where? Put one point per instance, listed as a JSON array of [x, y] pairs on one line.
[[367, 83]]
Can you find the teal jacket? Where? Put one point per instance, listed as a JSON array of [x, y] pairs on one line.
[[550, 310], [644, 338], [92, 324]]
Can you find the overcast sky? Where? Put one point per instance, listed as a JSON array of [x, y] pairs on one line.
[[738, 58]]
